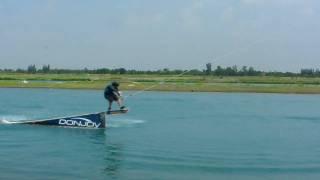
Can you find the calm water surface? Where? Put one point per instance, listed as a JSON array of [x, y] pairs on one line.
[[165, 136]]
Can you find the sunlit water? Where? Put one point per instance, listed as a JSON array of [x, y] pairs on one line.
[[164, 136]]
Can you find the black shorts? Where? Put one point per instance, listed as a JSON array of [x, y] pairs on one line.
[[111, 97]]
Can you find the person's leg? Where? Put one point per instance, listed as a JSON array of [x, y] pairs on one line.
[[110, 104], [119, 102], [118, 99], [122, 107]]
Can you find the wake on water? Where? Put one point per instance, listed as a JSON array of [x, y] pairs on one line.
[[6, 119], [3, 121], [116, 123]]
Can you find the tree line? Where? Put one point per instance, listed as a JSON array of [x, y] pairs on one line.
[[217, 71]]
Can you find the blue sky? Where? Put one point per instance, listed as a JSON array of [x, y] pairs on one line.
[[280, 35]]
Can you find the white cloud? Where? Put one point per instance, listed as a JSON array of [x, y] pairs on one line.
[[227, 14], [190, 15], [2, 7], [308, 11], [134, 19], [49, 6], [198, 4], [305, 8], [276, 2], [252, 1]]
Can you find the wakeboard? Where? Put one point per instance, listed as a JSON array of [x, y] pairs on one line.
[[120, 111]]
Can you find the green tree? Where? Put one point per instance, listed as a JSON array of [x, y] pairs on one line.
[[209, 68], [244, 71], [219, 71], [46, 68], [32, 69], [251, 71]]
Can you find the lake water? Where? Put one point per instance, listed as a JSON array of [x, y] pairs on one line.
[[165, 136]]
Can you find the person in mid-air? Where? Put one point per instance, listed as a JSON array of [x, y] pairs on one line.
[[112, 93]]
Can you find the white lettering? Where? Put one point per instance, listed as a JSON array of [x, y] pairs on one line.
[[81, 122]]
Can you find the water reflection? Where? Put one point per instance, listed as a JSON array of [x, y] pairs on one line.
[[113, 159], [104, 151], [109, 150]]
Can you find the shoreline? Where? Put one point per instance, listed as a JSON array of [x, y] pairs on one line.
[[188, 83], [167, 90]]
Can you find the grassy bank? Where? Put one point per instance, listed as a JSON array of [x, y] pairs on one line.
[[172, 83]]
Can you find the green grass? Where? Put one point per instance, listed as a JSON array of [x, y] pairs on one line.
[[171, 83]]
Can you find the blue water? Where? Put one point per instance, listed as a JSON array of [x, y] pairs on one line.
[[165, 136]]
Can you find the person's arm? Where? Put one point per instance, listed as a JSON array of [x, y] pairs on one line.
[[117, 93], [116, 90]]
